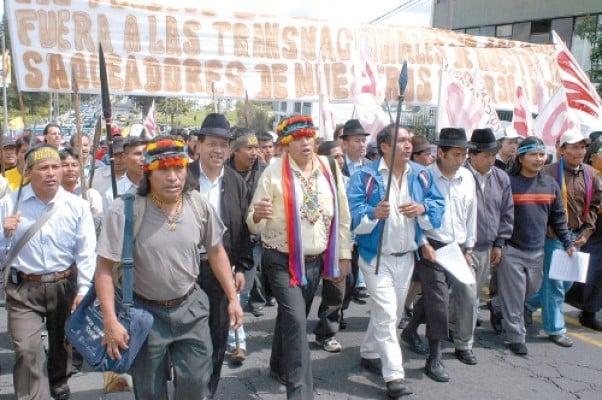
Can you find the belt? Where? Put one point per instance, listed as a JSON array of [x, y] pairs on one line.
[[306, 259], [167, 303], [203, 257], [399, 254], [49, 278]]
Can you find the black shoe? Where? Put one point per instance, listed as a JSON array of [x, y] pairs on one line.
[[373, 365], [589, 320], [466, 356], [61, 392], [519, 348], [272, 302], [494, 318], [397, 388], [361, 292], [256, 311], [413, 341], [435, 370]]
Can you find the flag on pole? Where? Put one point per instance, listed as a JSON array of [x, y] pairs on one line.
[[522, 120], [327, 124], [554, 119], [464, 104], [581, 96], [246, 109], [542, 97], [150, 123], [368, 95]]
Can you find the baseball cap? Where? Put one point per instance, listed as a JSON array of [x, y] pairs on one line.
[[571, 137], [507, 132]]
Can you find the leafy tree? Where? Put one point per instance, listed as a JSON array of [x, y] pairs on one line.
[[172, 107], [257, 115], [589, 29]]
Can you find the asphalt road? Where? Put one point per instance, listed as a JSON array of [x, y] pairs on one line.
[[549, 372]]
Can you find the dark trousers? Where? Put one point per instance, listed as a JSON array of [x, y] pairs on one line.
[[219, 321], [351, 278], [588, 296], [261, 290], [290, 356], [28, 305], [432, 306], [329, 312]]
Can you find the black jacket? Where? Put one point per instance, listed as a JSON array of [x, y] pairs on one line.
[[252, 176], [235, 200]]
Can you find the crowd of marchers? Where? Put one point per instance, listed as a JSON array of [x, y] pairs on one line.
[[367, 222]]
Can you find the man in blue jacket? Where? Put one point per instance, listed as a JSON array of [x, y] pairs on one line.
[[414, 203]]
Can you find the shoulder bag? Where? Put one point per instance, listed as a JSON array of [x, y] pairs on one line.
[[85, 327]]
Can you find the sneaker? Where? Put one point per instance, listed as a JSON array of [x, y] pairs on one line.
[[562, 340], [329, 344], [237, 356]]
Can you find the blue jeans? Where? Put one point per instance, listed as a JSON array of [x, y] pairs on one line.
[[550, 296]]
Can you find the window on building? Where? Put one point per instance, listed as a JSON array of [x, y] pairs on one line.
[[540, 31], [504, 31], [473, 31], [521, 31], [487, 30]]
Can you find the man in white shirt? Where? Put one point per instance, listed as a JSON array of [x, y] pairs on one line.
[[458, 226], [133, 149]]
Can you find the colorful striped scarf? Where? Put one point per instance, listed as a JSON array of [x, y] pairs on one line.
[[589, 189], [296, 263]]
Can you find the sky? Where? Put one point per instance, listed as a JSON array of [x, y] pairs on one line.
[[411, 12], [408, 12]]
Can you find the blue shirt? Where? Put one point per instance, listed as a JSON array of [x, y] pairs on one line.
[[67, 237]]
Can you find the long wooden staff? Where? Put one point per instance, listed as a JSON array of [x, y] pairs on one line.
[[106, 112], [403, 83]]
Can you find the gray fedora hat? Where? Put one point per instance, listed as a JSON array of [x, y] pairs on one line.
[[453, 137], [483, 140]]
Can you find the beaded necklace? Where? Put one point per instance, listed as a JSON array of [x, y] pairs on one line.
[[172, 220], [310, 209]]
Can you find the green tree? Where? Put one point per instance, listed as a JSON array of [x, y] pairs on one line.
[[257, 115], [173, 107], [589, 29]]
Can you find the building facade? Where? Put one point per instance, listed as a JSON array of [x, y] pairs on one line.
[[523, 20]]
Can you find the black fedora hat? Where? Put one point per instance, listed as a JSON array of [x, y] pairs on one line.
[[483, 140], [353, 128], [215, 124], [453, 137]]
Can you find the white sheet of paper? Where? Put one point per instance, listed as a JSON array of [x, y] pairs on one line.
[[451, 258], [565, 268]]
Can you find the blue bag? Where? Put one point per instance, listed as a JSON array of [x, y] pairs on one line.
[[85, 327]]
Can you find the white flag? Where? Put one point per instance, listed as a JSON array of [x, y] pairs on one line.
[[554, 119], [581, 95], [522, 120], [368, 95], [463, 104], [150, 122]]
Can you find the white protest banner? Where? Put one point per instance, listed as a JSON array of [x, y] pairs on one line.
[[177, 48]]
